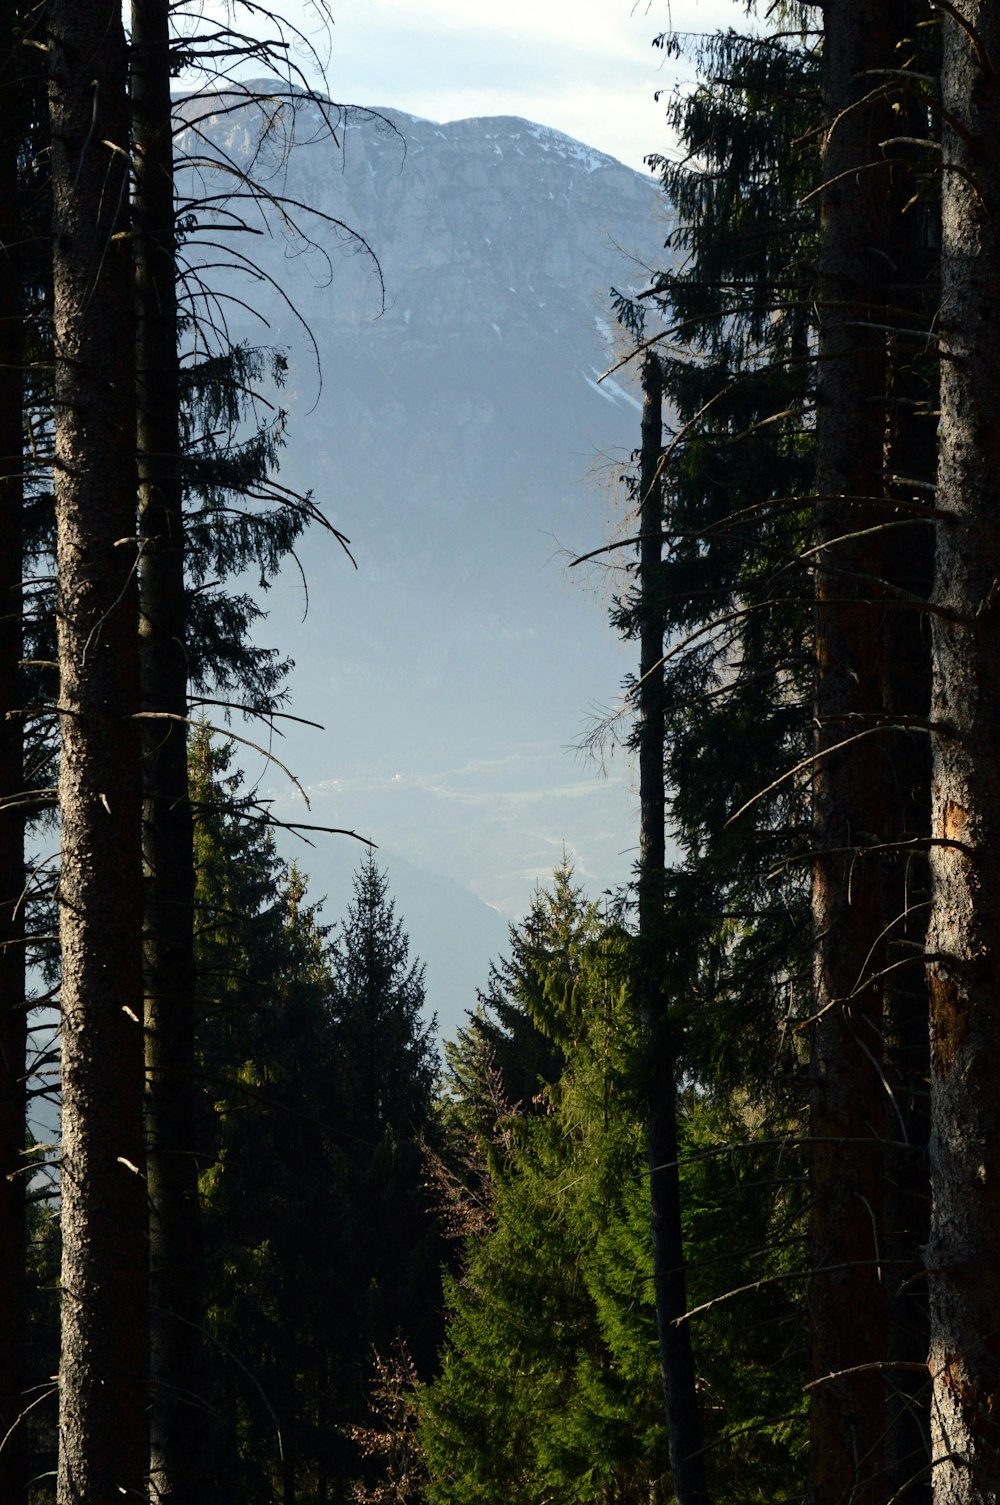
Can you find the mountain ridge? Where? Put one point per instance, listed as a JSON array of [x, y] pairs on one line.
[[452, 439]]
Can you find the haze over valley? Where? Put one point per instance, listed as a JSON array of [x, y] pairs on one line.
[[454, 428]]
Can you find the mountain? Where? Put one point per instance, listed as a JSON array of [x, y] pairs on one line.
[[455, 429]]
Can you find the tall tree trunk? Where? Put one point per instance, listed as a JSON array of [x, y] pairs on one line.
[[911, 457], [687, 1462], [174, 1231], [964, 933], [847, 1299], [103, 1434], [907, 1056], [13, 1016], [907, 774]]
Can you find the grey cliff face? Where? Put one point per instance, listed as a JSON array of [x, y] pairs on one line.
[[473, 222]]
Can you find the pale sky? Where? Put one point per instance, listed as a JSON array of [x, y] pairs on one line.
[[586, 67]]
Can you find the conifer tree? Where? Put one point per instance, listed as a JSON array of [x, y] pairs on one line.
[[378, 997], [102, 1385], [315, 1074], [209, 508], [13, 1011], [549, 1383], [387, 1073], [27, 635], [184, 455], [730, 596], [745, 551], [677, 1367], [272, 1179], [168, 935], [507, 1027], [732, 589], [963, 942], [848, 1108], [910, 470]]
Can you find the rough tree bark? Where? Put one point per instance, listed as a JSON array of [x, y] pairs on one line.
[[103, 1432], [677, 1371], [964, 933], [847, 1122], [13, 1018], [906, 777], [168, 944], [911, 461]]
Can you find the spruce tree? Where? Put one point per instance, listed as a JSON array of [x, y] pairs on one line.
[[13, 1010], [733, 591], [377, 1002], [763, 424], [677, 1367], [548, 1384], [209, 509], [315, 1076], [102, 1381], [387, 1072], [848, 1105], [963, 942], [729, 601], [168, 936], [272, 1178]]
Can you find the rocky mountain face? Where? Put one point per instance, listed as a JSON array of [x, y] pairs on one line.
[[472, 222], [454, 281]]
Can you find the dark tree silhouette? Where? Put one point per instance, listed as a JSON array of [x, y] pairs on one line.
[[102, 1373]]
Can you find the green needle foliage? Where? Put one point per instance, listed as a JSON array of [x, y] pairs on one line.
[[274, 1172], [239, 522], [386, 1075], [735, 585], [549, 1386], [317, 1073]]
